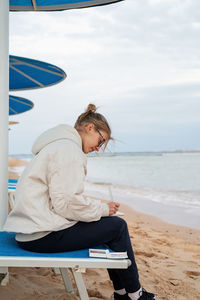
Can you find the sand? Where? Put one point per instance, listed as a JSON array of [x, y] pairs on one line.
[[15, 163], [168, 258]]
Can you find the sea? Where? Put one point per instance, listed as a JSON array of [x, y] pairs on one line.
[[164, 184]]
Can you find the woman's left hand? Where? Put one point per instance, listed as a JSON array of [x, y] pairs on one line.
[[113, 207]]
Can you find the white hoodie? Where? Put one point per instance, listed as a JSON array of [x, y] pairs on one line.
[[49, 194]]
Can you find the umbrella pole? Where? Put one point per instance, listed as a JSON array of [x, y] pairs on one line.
[[4, 88]]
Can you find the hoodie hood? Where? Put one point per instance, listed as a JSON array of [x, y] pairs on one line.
[[60, 132]]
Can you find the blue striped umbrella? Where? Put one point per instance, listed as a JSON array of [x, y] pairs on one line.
[[45, 5], [28, 73], [18, 105]]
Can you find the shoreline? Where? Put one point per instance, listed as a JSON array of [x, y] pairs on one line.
[[148, 221], [172, 214]]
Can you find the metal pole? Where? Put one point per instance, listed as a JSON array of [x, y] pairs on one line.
[[4, 88]]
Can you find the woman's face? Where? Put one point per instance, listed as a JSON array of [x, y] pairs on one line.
[[92, 138]]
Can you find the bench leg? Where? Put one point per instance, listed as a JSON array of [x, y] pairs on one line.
[[56, 271], [80, 284], [4, 276], [11, 199], [67, 281]]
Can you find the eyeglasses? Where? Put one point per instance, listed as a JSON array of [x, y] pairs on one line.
[[102, 139]]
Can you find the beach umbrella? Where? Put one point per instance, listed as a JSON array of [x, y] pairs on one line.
[[13, 122], [15, 5], [46, 5], [18, 105], [26, 73]]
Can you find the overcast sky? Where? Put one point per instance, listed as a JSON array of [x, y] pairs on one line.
[[138, 60]]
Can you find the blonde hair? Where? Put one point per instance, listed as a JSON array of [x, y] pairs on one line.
[[91, 116]]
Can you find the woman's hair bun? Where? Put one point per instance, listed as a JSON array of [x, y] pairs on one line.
[[91, 108], [91, 116]]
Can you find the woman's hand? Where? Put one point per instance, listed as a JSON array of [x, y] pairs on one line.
[[113, 207]]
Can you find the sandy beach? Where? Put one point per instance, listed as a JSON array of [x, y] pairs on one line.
[[168, 258]]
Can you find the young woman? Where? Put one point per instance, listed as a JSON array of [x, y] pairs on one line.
[[52, 215]]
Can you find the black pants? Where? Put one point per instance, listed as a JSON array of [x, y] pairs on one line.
[[111, 231]]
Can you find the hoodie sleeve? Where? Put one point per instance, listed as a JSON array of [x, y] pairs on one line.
[[66, 185]]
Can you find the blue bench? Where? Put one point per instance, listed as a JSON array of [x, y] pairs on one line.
[[12, 184], [13, 256]]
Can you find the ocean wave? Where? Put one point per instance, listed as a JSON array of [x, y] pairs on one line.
[[187, 199]]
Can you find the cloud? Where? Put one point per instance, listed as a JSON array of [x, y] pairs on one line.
[[138, 60]]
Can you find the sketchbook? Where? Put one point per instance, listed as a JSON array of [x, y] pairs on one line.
[[105, 253]]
